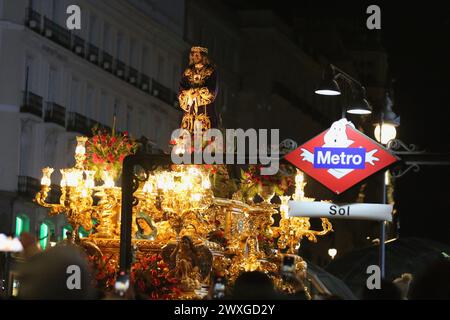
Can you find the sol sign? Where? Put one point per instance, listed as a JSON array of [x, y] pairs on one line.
[[340, 157]]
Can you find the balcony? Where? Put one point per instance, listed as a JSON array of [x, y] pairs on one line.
[[93, 53], [133, 76], [120, 69], [107, 61], [32, 103], [57, 33], [145, 83], [162, 92], [28, 186], [78, 123], [33, 20], [55, 113], [78, 45]]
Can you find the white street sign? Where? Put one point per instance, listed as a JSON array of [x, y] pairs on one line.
[[363, 211]]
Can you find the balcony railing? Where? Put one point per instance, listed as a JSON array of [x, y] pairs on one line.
[[33, 20], [120, 68], [55, 113], [57, 33], [145, 83], [32, 103], [107, 61], [78, 123], [133, 76], [78, 45], [28, 186], [93, 53]]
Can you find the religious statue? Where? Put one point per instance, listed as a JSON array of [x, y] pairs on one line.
[[186, 264], [146, 228], [198, 89]]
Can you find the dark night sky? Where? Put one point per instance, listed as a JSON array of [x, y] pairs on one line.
[[416, 38]]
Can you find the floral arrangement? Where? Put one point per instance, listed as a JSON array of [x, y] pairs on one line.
[[252, 181], [106, 151], [104, 272], [151, 278]]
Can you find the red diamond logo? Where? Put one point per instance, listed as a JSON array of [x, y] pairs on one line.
[[340, 157]]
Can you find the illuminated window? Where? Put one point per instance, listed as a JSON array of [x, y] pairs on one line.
[[45, 232], [22, 224]]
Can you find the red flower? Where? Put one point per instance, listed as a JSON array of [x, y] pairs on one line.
[[125, 133], [121, 158], [103, 138], [110, 157], [96, 158], [95, 139], [113, 139], [172, 142]]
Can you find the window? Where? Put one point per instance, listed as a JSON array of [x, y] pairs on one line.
[[53, 85], [105, 117], [46, 232], [133, 59], [22, 224], [65, 229], [129, 117], [93, 30], [30, 76], [106, 38], [120, 46], [90, 110], [145, 65], [75, 94], [160, 75]]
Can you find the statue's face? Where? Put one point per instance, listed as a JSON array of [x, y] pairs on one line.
[[196, 57], [142, 223]]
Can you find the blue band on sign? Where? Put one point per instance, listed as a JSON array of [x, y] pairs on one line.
[[339, 158]]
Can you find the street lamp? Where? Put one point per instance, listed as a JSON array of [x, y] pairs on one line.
[[332, 252], [385, 130], [330, 87]]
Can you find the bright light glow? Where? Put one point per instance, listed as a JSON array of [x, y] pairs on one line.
[[80, 149], [206, 184], [332, 252], [73, 177], [108, 181], [388, 132], [359, 111], [196, 197], [148, 187], [327, 92], [8, 244], [44, 235], [46, 173], [89, 182]]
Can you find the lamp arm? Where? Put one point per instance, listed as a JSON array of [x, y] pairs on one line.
[[345, 76]]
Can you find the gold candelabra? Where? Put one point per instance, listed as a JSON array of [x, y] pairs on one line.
[[293, 229], [78, 190]]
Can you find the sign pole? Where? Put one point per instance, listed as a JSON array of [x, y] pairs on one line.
[[383, 235]]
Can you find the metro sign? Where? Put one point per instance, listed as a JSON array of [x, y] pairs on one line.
[[340, 157]]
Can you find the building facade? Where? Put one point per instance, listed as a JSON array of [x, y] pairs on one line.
[[56, 83]]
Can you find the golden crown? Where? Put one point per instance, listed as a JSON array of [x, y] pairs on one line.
[[201, 49]]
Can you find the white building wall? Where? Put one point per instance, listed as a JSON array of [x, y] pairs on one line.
[[59, 75]]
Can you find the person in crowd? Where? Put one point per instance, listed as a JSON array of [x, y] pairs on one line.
[[403, 283], [433, 283], [60, 272]]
